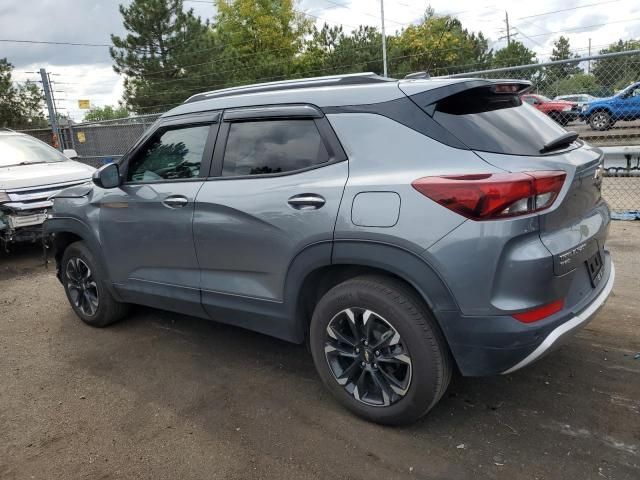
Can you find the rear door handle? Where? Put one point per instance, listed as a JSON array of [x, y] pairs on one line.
[[307, 201], [176, 201]]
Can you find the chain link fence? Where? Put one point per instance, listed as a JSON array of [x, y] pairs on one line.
[[602, 104], [98, 143]]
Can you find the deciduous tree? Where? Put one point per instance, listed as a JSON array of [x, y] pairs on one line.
[[97, 114], [617, 73], [20, 105]]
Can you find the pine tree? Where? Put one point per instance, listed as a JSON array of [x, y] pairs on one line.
[[562, 51], [167, 55]]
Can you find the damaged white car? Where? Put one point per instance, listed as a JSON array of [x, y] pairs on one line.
[[30, 173]]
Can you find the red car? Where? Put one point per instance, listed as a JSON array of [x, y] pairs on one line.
[[561, 111]]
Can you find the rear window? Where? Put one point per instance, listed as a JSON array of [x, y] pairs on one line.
[[496, 123]]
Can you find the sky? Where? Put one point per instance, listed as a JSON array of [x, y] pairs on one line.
[[85, 72]]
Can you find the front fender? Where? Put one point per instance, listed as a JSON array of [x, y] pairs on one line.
[[70, 225]]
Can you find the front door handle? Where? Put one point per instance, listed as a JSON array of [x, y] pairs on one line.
[[176, 201], [307, 201]]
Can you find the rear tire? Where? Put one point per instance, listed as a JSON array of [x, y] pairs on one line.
[[399, 367], [86, 287], [600, 121]]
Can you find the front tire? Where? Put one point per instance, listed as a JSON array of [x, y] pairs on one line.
[[379, 350], [86, 288]]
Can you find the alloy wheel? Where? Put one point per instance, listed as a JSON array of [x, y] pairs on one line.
[[600, 120], [367, 357], [81, 286]]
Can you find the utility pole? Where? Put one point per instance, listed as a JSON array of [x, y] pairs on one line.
[[46, 86], [384, 40], [589, 62], [509, 34]]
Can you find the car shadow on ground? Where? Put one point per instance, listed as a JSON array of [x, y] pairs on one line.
[[541, 387]]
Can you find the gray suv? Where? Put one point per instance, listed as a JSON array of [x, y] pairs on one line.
[[403, 228]]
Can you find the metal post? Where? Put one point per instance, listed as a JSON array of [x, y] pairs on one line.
[[589, 62], [52, 113], [73, 141], [384, 40]]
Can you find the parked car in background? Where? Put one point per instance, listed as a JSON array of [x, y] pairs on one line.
[[561, 111], [30, 172], [403, 228], [580, 99], [603, 113]]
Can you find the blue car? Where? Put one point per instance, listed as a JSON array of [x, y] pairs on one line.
[[603, 113]]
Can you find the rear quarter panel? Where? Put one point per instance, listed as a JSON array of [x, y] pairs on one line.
[[385, 156]]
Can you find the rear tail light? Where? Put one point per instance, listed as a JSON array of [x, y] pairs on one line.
[[490, 196], [539, 313]]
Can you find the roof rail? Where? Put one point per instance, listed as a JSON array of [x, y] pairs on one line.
[[6, 129], [332, 80]]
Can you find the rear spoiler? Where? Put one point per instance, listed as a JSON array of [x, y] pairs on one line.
[[428, 98]]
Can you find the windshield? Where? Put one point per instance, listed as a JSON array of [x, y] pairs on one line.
[[24, 150], [497, 123], [543, 98]]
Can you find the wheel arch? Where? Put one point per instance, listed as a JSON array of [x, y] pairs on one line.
[[600, 108], [350, 259], [62, 232]]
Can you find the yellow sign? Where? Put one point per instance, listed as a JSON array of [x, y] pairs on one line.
[[84, 104], [81, 137]]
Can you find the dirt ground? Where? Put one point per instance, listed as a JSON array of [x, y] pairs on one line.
[[163, 396]]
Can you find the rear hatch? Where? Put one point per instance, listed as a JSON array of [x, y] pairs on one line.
[[511, 135]]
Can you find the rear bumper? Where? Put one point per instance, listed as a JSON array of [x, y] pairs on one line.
[[500, 344], [570, 326]]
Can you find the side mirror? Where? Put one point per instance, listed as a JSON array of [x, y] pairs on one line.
[[107, 176], [70, 153]]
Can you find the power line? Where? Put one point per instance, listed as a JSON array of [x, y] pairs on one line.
[[527, 36], [568, 9], [48, 42], [107, 45], [377, 17], [577, 29]]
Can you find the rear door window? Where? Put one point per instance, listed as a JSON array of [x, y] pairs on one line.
[[272, 146], [497, 123]]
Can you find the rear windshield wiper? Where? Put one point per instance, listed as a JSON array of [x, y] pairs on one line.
[[563, 140]]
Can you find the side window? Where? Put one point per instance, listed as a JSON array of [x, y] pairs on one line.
[[170, 155], [272, 146]]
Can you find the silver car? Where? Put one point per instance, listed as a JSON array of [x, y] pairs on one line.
[[405, 229], [581, 99]]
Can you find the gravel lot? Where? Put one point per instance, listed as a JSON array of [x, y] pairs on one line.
[[165, 396]]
